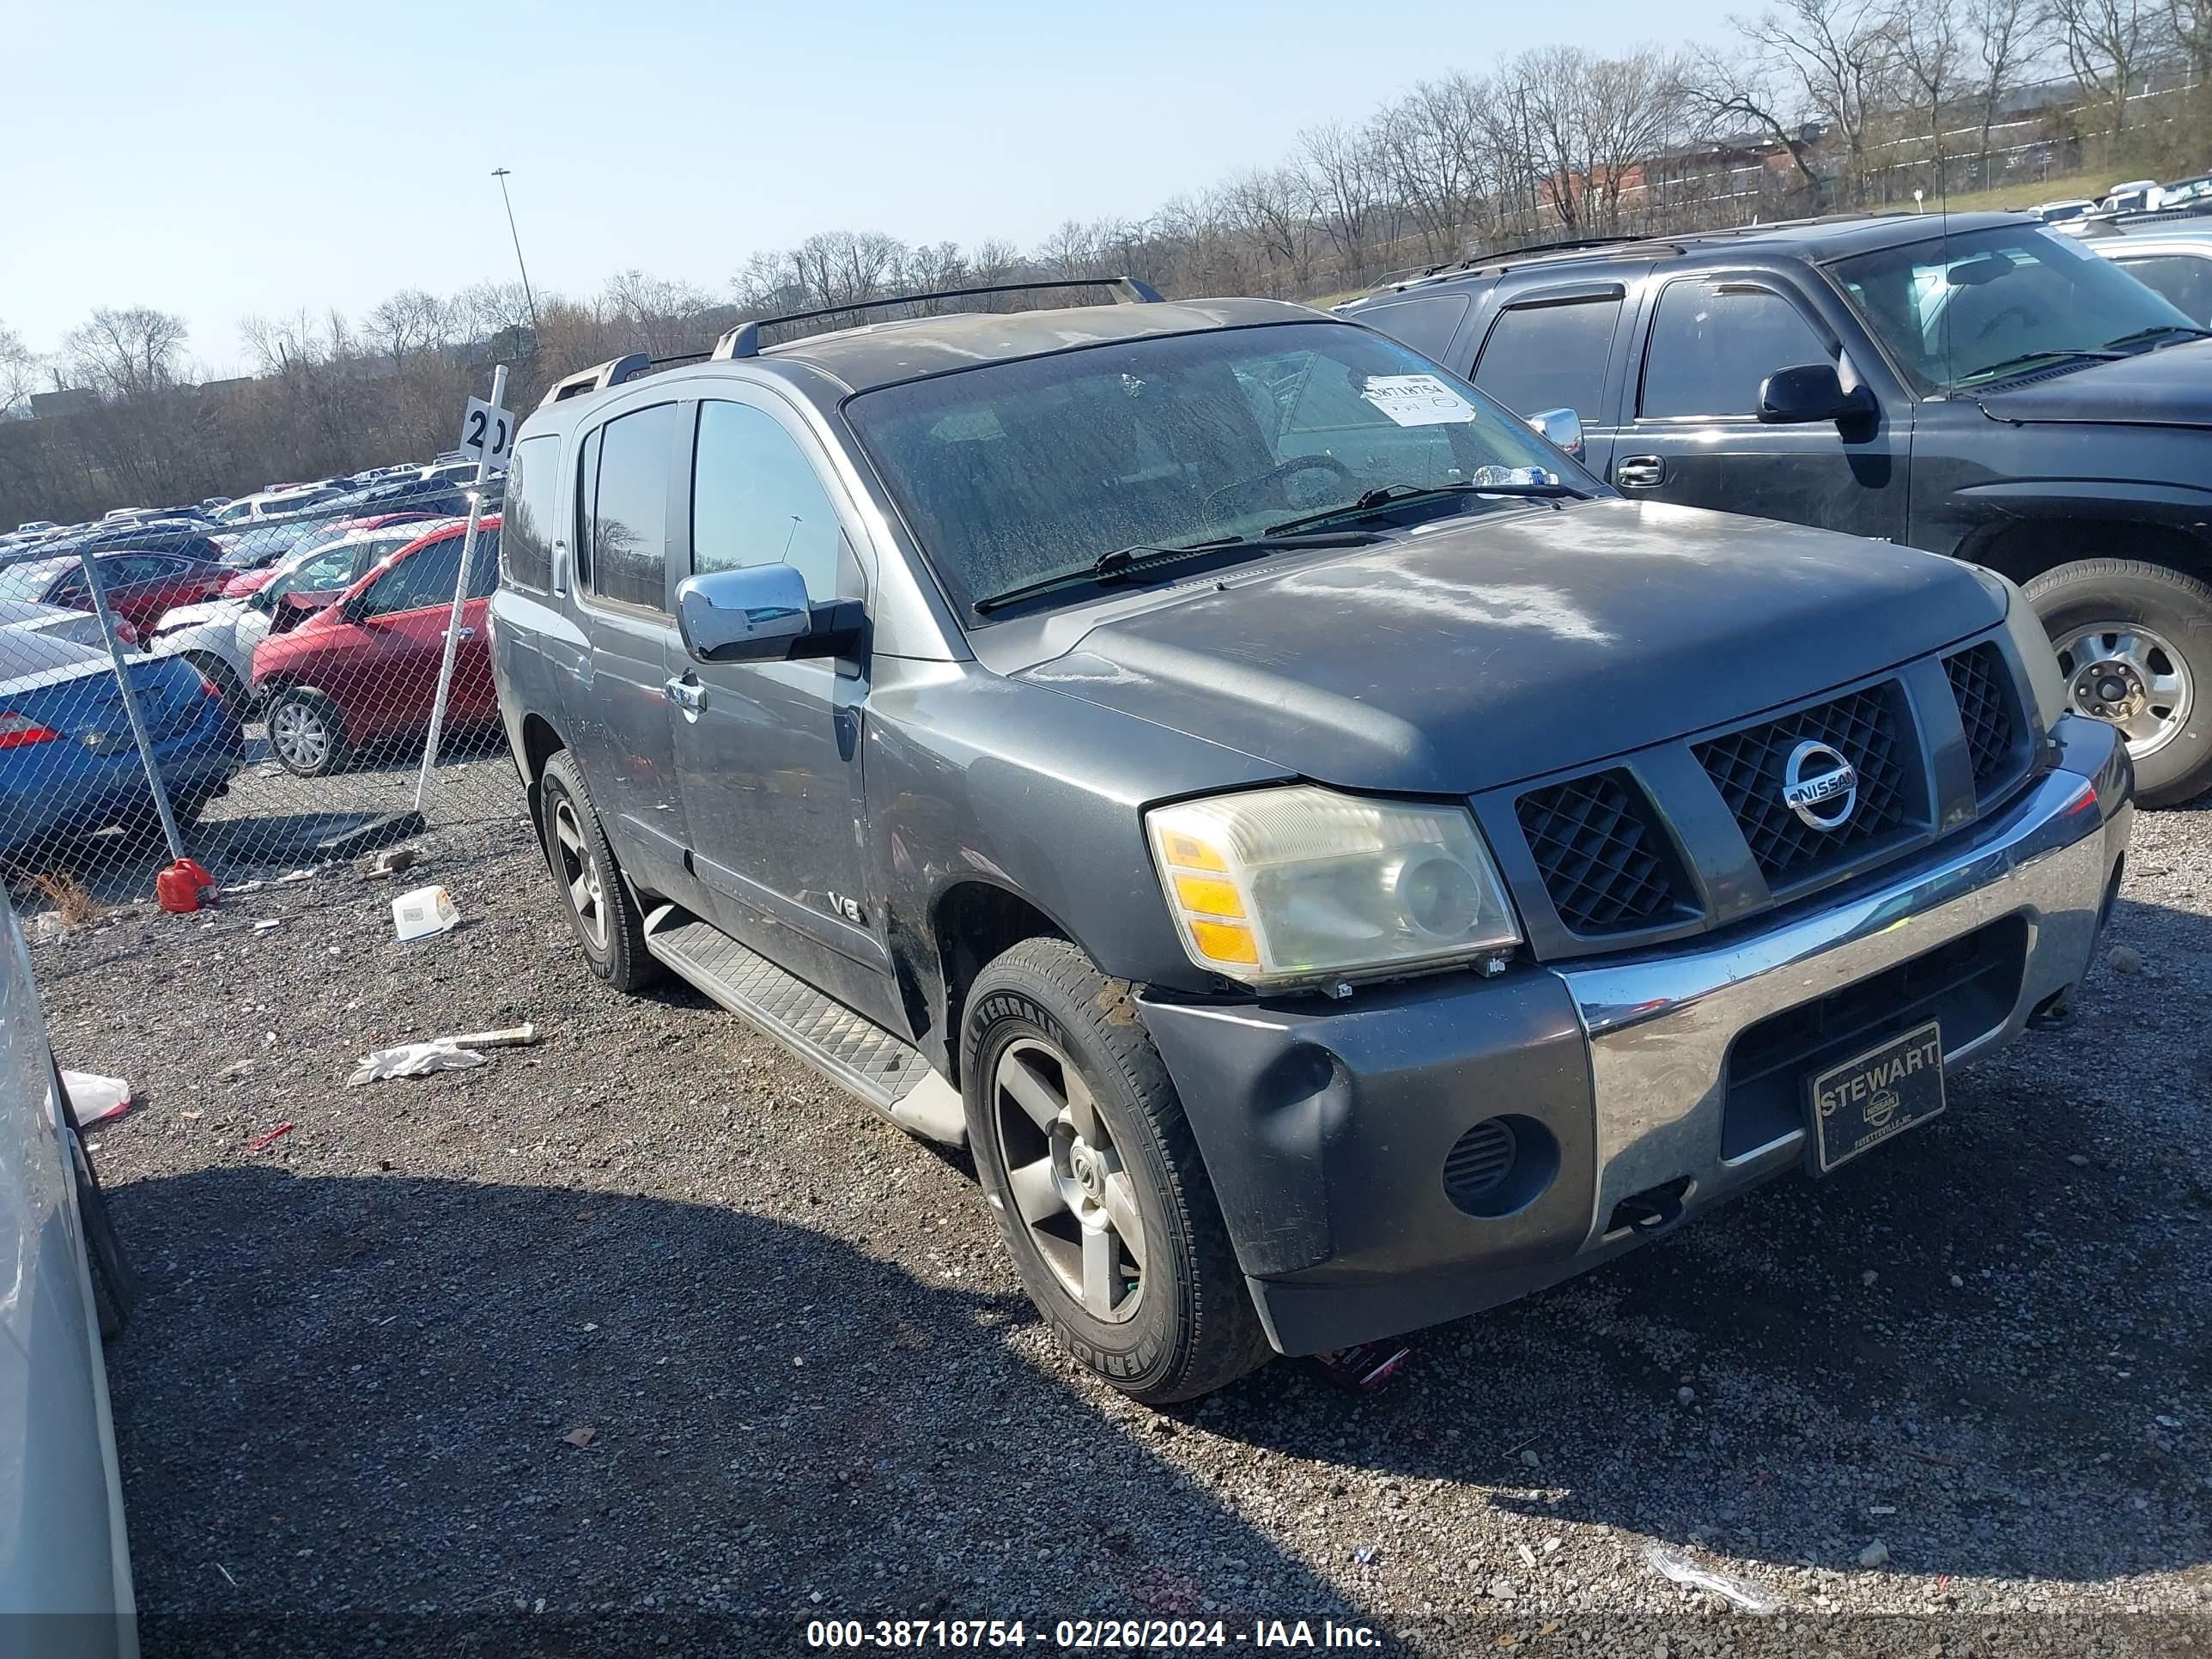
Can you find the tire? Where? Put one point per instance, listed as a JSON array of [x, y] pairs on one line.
[[306, 733], [2156, 624], [1184, 1326], [602, 911], [222, 676]]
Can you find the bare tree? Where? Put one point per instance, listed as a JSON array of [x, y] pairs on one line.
[[410, 321], [2105, 42], [2191, 23], [19, 370], [2006, 41], [1346, 181], [125, 353], [1834, 58], [1728, 96], [1926, 38]]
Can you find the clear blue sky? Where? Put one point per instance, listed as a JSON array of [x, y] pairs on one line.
[[221, 160]]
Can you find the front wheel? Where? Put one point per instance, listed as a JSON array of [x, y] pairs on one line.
[[1091, 1166], [305, 733], [2135, 644]]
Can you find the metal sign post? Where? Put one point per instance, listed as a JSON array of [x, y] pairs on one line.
[[93, 586], [487, 429]]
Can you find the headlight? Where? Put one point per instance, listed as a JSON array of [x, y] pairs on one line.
[[2031, 645], [1299, 884]]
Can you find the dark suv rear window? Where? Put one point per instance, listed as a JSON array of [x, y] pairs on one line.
[[1426, 323], [1551, 356]]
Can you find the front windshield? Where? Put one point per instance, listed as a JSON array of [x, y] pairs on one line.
[[1977, 307], [1023, 469]]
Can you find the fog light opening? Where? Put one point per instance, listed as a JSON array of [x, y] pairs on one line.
[[1500, 1166]]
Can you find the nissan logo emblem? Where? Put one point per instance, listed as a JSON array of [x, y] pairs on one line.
[[1819, 785]]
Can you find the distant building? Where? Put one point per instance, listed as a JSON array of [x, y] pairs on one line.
[[73, 400]]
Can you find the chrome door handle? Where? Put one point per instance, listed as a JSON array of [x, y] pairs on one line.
[[1639, 471], [686, 694]]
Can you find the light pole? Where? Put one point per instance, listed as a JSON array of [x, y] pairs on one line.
[[529, 299]]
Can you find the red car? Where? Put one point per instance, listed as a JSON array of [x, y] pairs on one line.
[[140, 586], [364, 671]]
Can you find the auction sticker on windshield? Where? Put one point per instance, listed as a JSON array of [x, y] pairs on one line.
[[1416, 399]]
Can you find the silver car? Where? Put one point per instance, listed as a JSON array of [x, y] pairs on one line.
[[63, 1547]]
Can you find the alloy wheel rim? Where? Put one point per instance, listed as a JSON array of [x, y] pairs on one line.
[[2130, 677], [579, 874], [1066, 1179], [298, 733]]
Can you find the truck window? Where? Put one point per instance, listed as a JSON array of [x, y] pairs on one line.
[[531, 508], [2183, 278], [1426, 323], [1551, 356], [629, 508], [1713, 342], [755, 499]]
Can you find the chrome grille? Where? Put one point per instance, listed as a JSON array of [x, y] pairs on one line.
[[1867, 727], [1606, 868]]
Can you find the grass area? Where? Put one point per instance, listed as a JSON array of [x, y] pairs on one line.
[[2028, 191]]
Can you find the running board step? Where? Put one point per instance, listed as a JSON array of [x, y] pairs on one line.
[[848, 1049]]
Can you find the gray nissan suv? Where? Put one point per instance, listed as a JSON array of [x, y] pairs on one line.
[[1336, 865]]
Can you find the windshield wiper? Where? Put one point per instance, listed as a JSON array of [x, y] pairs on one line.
[[2159, 330], [1387, 498], [2028, 359], [1123, 562]]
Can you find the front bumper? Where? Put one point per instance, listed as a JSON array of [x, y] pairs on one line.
[[1325, 1125]]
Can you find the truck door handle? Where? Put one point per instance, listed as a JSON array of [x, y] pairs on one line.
[[687, 695], [1639, 471]]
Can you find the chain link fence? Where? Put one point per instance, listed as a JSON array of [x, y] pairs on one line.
[[259, 685]]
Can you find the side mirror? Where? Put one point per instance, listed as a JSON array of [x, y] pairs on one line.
[[1810, 393], [760, 614], [1563, 427]]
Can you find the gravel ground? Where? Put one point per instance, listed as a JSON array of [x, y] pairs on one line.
[[647, 1321]]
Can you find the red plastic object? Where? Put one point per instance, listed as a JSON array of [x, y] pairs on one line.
[[268, 1140], [177, 888]]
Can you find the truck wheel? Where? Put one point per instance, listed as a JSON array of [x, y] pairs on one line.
[[305, 733], [2134, 643], [608, 921], [1086, 1157]]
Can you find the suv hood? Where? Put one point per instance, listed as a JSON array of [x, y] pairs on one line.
[[1479, 652], [2169, 388]]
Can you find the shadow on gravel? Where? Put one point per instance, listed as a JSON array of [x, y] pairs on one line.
[[349, 1410], [1988, 1346]]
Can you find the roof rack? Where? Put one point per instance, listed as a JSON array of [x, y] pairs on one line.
[[613, 372], [743, 340]]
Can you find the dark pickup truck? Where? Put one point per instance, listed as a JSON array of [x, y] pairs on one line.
[[1337, 864], [1978, 385]]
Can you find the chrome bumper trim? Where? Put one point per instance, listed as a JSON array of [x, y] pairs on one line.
[[1660, 1026]]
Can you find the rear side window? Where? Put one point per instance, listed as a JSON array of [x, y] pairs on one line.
[[424, 578], [1426, 323], [629, 508], [1551, 356], [2183, 278], [1713, 343], [530, 512], [755, 499]]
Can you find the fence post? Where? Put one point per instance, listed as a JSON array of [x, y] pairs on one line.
[[90, 560], [460, 598]]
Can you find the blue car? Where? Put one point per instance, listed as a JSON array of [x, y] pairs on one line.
[[66, 759]]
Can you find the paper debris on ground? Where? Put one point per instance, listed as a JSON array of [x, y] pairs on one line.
[[1679, 1569], [514, 1036], [414, 1060], [423, 913], [307, 874], [93, 1098], [581, 1438], [267, 922], [390, 862]]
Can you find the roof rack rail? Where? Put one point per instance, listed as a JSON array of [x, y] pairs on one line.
[[613, 372], [743, 340]]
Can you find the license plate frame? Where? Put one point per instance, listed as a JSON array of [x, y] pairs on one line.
[[1874, 1097]]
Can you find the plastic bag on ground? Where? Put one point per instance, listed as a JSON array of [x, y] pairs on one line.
[[93, 1098], [1680, 1569], [414, 1060]]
